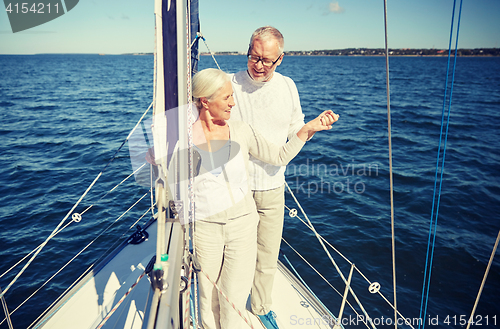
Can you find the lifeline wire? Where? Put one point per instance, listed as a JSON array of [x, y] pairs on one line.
[[345, 258], [69, 223], [484, 280], [6, 310], [78, 254], [433, 224], [390, 167], [327, 252], [54, 232]]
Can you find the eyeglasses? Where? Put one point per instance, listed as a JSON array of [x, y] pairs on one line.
[[266, 62]]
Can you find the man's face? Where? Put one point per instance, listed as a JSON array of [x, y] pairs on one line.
[[268, 50]]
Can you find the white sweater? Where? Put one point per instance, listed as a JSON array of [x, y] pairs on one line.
[[224, 196], [273, 109]]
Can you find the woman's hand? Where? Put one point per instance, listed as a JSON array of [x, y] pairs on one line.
[[324, 121]]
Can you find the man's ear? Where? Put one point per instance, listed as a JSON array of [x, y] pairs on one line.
[[280, 60]]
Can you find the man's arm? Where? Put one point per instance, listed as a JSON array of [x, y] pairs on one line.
[[297, 119]]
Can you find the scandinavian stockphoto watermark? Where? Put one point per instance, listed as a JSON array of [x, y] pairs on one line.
[[25, 14], [361, 320], [312, 178]]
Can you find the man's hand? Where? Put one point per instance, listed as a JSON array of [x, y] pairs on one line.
[[328, 118], [324, 121]]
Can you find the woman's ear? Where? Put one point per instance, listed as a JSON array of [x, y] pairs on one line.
[[204, 102]]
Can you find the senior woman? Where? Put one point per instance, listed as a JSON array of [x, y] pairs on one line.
[[226, 218]]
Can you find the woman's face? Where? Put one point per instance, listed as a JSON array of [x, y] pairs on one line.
[[220, 105]]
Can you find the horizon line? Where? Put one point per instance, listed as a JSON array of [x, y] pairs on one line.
[[244, 52]]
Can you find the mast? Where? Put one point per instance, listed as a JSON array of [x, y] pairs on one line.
[[172, 155]]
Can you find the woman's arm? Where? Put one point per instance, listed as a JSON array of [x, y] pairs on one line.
[[270, 153]]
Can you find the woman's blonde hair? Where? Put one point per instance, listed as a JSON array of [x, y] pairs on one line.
[[207, 83]]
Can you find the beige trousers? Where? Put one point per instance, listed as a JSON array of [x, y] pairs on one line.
[[226, 253], [270, 207]]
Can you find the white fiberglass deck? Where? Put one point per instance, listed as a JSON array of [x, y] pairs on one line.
[[99, 302], [294, 305]]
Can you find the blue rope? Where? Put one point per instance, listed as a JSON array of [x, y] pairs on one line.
[[191, 304], [433, 224]]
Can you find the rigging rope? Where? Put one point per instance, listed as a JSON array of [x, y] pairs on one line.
[[436, 201], [189, 233], [227, 299], [187, 303], [120, 301], [78, 254], [199, 35], [317, 272], [69, 223], [390, 167], [326, 251], [191, 221], [344, 257], [6, 311], [114, 188], [482, 283], [56, 230], [190, 120]]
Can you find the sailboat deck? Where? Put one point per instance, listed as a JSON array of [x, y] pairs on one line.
[[295, 306], [105, 298]]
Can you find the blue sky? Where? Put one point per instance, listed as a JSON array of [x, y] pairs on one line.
[[127, 26]]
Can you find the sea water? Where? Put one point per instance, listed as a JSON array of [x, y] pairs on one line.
[[64, 116]]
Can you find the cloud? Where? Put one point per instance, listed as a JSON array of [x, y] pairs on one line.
[[335, 8]]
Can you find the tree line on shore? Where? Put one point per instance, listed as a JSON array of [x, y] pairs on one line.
[[381, 52]]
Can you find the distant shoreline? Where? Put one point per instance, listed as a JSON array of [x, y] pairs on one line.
[[359, 52], [476, 52]]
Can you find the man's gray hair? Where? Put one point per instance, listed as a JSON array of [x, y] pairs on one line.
[[266, 33]]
